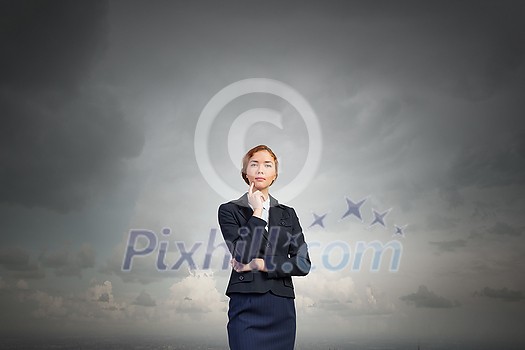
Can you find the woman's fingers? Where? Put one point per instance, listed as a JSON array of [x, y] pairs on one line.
[[256, 192], [255, 198], [240, 267], [237, 266], [254, 264]]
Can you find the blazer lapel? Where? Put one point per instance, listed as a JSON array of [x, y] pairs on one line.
[[245, 209], [278, 216]]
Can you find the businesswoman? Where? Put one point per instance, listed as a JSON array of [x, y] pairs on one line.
[[267, 247]]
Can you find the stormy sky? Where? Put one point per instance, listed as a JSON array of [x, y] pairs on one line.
[[418, 110]]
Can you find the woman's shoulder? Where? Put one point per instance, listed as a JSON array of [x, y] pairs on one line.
[[227, 205], [234, 203], [286, 208]]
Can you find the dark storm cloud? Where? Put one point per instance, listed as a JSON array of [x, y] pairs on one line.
[[470, 49], [62, 140], [425, 298], [449, 246], [49, 44], [502, 294], [456, 71]]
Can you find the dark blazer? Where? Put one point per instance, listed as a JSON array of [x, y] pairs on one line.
[[282, 247]]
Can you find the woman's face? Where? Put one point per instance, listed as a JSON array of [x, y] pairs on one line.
[[261, 169]]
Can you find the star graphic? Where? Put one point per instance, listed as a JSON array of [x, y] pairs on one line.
[[379, 218], [318, 220], [399, 231], [292, 239], [353, 208]]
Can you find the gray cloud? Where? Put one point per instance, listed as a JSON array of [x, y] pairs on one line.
[[143, 268], [33, 271], [14, 258], [502, 294], [449, 246], [425, 298], [483, 210], [436, 221], [18, 263], [502, 228], [495, 163], [144, 299], [55, 259], [104, 298], [63, 140], [67, 263]]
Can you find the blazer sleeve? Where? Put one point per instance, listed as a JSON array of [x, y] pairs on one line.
[[239, 237], [297, 262]]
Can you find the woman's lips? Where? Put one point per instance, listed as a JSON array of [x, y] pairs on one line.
[[260, 179]]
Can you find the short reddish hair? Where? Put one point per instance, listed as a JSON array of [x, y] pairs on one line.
[[250, 153]]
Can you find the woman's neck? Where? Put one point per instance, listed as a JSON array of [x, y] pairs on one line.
[[265, 193]]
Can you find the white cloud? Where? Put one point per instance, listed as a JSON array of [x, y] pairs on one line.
[[196, 293], [332, 292], [102, 294], [323, 287]]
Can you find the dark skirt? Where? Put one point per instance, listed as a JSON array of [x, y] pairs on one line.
[[261, 321]]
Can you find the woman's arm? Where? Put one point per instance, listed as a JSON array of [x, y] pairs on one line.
[[239, 238], [297, 263]]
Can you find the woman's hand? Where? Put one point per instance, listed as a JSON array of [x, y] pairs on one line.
[[256, 264], [255, 198]]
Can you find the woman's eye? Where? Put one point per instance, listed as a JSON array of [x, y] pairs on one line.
[[268, 165]]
